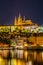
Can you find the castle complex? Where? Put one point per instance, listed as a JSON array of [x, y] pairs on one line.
[[20, 24], [23, 23]]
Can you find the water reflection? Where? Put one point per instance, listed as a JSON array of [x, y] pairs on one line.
[[21, 57]]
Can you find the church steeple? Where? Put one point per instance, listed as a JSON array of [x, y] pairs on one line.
[[19, 15], [19, 19], [15, 21]]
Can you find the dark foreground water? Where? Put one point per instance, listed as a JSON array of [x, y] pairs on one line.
[[21, 57]]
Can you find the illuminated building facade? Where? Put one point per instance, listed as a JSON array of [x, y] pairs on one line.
[[20, 24], [23, 24]]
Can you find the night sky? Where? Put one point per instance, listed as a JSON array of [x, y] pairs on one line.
[[31, 9]]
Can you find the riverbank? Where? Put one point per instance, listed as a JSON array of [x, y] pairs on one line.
[[30, 48]]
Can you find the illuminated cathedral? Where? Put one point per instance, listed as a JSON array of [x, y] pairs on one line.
[[20, 23], [23, 23]]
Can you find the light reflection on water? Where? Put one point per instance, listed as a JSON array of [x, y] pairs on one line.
[[21, 57]]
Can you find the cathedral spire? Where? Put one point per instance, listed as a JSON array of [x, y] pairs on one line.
[[19, 15], [15, 20]]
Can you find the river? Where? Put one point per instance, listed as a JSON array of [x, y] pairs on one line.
[[21, 57]]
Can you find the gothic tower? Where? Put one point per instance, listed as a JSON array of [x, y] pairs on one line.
[[19, 19], [15, 21]]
